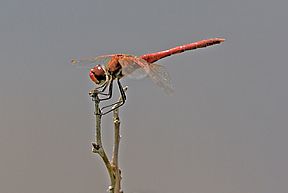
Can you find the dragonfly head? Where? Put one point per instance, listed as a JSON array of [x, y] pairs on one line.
[[98, 75]]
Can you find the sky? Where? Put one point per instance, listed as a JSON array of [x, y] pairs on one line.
[[223, 130]]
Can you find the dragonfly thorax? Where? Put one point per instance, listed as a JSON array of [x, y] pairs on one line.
[[114, 68]]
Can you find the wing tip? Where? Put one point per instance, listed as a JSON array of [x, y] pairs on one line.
[[74, 61]]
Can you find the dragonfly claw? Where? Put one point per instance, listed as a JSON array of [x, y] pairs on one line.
[[94, 92]]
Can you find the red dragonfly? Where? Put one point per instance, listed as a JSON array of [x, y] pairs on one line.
[[116, 66]]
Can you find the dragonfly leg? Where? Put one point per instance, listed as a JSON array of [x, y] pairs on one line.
[[116, 104], [104, 86], [109, 94], [102, 92]]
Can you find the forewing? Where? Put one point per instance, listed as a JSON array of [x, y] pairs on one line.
[[160, 77], [90, 62]]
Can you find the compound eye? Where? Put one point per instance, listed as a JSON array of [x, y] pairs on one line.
[[98, 74]]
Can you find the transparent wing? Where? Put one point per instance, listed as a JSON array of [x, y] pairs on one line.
[[160, 77], [138, 74], [134, 67], [90, 62]]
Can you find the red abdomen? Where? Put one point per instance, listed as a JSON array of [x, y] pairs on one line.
[[162, 54]]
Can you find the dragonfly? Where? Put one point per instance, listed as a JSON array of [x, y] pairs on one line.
[[107, 68]]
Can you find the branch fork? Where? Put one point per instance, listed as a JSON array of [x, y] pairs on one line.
[[97, 147]]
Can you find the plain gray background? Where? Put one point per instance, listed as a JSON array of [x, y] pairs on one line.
[[224, 129]]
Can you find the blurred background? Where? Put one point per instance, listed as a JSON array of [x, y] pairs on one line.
[[224, 130]]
